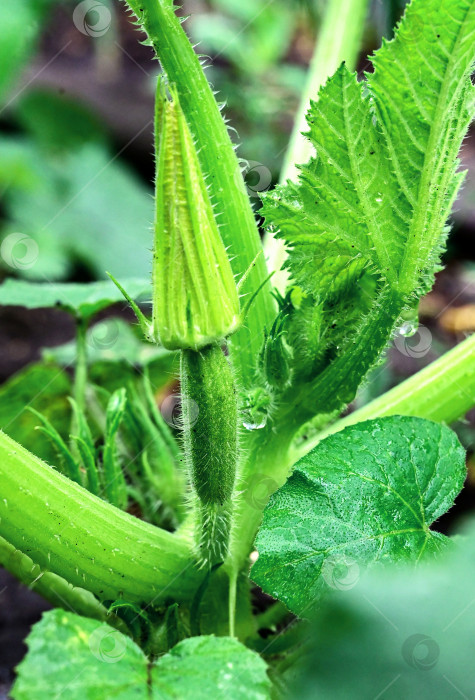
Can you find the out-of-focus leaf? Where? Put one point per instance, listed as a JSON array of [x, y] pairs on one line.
[[84, 205], [82, 300], [253, 35], [44, 387], [58, 122], [20, 24], [113, 353], [397, 634], [111, 340]]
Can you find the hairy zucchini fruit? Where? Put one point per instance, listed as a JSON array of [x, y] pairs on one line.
[[210, 419]]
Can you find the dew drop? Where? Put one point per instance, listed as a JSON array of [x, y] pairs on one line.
[[254, 425], [409, 323], [407, 329]]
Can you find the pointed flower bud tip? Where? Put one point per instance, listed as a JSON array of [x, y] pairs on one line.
[[195, 300]]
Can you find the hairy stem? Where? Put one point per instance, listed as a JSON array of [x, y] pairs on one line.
[[221, 167], [444, 391]]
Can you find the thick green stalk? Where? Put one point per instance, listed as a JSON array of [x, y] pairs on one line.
[[220, 165], [269, 457], [69, 532], [53, 588], [444, 391], [339, 40]]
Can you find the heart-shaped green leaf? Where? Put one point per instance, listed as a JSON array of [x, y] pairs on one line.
[[364, 496], [87, 660]]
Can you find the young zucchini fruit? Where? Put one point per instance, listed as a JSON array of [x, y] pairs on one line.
[[210, 416], [195, 308]]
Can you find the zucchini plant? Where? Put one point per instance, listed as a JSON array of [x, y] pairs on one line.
[[273, 478]]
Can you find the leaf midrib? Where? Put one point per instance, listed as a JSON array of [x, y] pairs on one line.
[[374, 228], [345, 545], [421, 241]]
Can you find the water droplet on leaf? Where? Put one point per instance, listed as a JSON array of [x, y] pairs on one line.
[[407, 329], [253, 425], [409, 323]]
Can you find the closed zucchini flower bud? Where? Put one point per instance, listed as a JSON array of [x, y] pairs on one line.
[[195, 300]]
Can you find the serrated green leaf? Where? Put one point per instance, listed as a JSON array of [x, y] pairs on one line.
[[383, 182], [86, 660], [362, 497], [424, 102], [366, 222], [400, 634], [337, 218], [84, 300]]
